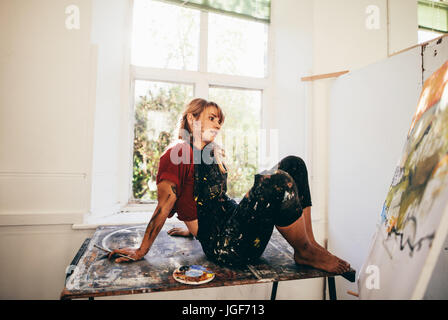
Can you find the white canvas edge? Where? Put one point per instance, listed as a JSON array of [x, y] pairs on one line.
[[431, 260]]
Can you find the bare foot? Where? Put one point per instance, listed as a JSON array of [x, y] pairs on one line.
[[321, 259], [325, 251], [317, 245]]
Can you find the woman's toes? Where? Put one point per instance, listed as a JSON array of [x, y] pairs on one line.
[[340, 266]]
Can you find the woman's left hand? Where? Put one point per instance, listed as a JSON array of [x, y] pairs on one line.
[[180, 232], [136, 254]]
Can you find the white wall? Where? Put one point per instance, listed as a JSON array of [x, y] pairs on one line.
[[46, 124], [342, 41], [403, 24], [341, 38], [345, 40], [46, 112], [370, 111], [293, 58], [35, 258]]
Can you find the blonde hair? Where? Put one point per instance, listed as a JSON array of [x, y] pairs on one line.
[[196, 107]]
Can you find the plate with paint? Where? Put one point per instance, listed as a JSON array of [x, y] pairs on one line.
[[194, 274]]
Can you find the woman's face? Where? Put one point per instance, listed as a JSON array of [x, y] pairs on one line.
[[209, 123]]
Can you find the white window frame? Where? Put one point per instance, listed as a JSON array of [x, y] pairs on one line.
[[201, 81]]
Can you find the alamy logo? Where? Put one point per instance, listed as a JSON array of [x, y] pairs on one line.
[[373, 280], [266, 156], [72, 21], [373, 17]]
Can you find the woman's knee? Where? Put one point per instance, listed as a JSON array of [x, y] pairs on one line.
[[296, 167], [278, 190], [289, 203], [277, 181], [283, 183], [292, 162]]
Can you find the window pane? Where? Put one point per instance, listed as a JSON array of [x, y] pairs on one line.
[[433, 15], [165, 36], [239, 135], [158, 106], [237, 46]]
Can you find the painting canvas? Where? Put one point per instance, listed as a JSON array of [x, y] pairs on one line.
[[416, 203]]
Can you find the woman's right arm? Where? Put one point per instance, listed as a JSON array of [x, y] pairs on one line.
[[166, 198]]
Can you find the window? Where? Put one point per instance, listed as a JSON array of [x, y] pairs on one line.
[[240, 137], [432, 19], [157, 107], [165, 36], [179, 53], [231, 51]]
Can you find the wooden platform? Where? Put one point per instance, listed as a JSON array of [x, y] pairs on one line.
[[91, 275]]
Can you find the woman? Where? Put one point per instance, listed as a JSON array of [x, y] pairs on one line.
[[192, 181]]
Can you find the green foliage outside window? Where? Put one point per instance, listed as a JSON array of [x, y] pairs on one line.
[[162, 106], [148, 148]]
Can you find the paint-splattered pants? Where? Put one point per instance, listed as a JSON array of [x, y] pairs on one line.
[[237, 233]]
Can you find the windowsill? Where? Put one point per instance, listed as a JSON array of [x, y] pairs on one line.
[[121, 218], [133, 218], [139, 207]]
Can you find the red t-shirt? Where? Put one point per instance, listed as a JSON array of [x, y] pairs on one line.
[[176, 165]]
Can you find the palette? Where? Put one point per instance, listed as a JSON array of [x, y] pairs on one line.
[[193, 275]]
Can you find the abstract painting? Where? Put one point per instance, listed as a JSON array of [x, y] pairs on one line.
[[416, 202]]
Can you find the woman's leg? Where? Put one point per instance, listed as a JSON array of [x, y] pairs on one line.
[[294, 223], [274, 200], [305, 252], [296, 167]]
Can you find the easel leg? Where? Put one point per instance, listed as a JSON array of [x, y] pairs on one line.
[[274, 290], [332, 288]]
